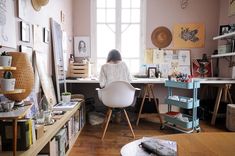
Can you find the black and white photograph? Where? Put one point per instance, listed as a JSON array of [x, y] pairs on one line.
[[224, 29], [152, 72]]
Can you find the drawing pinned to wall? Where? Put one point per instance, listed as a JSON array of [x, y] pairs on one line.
[[82, 46], [7, 24], [38, 38], [231, 10], [148, 56], [189, 35]]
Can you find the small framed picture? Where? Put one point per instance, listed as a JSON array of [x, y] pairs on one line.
[[28, 51], [82, 46], [224, 29], [152, 72], [25, 31], [46, 35]]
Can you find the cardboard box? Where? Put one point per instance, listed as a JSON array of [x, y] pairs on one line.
[[39, 131]]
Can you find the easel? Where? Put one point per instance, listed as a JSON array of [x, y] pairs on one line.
[[148, 90]]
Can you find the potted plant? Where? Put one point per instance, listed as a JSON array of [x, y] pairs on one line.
[[5, 59], [7, 82], [66, 97]]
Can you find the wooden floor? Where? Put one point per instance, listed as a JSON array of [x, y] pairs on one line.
[[89, 142]]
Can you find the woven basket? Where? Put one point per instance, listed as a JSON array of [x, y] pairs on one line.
[[23, 74]]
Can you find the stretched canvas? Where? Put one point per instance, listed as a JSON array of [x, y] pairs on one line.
[[201, 68]]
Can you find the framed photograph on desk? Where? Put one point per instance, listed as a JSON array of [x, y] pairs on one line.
[[152, 72]]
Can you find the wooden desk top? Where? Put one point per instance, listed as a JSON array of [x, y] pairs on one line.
[[194, 144]]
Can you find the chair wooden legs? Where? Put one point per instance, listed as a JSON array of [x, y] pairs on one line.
[[108, 116], [129, 123], [107, 119]]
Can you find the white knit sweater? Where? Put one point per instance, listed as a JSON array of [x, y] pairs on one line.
[[114, 72]]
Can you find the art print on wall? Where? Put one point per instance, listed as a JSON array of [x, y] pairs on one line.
[[23, 9], [82, 46], [25, 31], [189, 35], [46, 35], [231, 9], [7, 24], [201, 68]]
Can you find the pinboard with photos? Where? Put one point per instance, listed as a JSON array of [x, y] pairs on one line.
[[169, 61]]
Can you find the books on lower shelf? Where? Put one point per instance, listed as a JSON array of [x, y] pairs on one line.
[[156, 146]]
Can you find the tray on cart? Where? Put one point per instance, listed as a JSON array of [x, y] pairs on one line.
[[187, 103], [183, 85], [185, 125]]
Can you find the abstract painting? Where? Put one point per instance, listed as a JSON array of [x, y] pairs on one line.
[[189, 35], [7, 24]]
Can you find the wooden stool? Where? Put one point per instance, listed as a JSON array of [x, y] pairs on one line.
[[148, 90]]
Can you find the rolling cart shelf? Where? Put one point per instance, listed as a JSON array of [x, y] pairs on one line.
[[186, 105], [185, 125], [182, 102]]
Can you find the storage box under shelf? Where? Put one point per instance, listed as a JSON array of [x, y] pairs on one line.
[[183, 85], [186, 105], [186, 125], [79, 70]]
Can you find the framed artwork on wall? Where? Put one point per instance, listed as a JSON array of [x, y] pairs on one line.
[[201, 68], [23, 9], [224, 29], [25, 31], [231, 9], [82, 46], [7, 27], [189, 36], [46, 36], [28, 51]]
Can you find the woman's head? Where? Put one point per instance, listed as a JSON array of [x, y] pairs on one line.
[[114, 56]]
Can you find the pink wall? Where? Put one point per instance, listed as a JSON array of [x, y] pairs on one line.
[[224, 19], [81, 20]]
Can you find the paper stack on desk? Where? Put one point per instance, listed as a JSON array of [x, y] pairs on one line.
[[65, 106]]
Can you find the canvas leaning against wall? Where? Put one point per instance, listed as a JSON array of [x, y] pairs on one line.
[[189, 35]]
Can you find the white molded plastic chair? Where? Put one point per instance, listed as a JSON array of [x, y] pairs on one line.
[[118, 94]]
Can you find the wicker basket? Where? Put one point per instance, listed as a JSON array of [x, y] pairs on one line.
[[23, 74]]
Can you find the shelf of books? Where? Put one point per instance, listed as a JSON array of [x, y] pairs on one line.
[[55, 139]]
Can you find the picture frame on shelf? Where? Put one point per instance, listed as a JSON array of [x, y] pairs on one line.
[[25, 31], [152, 72], [46, 36], [224, 29]]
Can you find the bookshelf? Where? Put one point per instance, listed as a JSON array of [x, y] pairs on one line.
[[49, 132]]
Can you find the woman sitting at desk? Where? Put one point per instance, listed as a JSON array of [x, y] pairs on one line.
[[114, 70]]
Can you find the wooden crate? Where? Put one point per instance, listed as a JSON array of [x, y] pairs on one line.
[[79, 70]]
